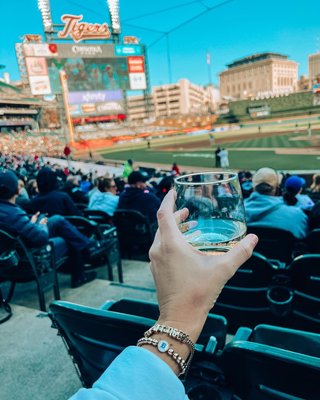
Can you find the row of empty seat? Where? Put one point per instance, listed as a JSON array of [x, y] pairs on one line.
[[267, 362], [261, 292]]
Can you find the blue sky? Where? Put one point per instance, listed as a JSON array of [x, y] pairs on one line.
[[234, 30]]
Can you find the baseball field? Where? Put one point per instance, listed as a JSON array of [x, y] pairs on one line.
[[283, 145]]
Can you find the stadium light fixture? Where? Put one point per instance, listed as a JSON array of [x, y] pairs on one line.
[[113, 6], [44, 8]]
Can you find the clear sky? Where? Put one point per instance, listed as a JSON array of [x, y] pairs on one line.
[[233, 30]]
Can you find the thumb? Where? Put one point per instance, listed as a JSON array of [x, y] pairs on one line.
[[241, 252]]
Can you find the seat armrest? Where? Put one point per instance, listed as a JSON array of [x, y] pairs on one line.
[[243, 333]]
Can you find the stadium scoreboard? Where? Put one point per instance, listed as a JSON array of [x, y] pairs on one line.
[[97, 74]]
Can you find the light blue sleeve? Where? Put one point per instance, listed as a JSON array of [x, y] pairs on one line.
[[136, 374]]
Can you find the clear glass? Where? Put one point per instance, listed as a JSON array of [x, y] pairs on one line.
[[216, 220]]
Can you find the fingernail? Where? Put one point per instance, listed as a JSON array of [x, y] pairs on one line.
[[253, 238]]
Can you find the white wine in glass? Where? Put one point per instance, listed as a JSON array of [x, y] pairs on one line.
[[216, 220]]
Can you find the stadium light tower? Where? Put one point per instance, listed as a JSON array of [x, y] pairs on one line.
[[113, 6], [44, 8]]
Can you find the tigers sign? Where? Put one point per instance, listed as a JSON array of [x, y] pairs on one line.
[[78, 30]]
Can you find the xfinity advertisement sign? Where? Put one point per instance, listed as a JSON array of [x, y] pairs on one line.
[[96, 96]]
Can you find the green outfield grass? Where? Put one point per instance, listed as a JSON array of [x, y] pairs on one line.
[[202, 155], [272, 142]]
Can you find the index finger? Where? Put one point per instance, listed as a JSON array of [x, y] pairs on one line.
[[166, 219]]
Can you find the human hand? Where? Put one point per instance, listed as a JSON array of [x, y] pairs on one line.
[[43, 221], [189, 282], [34, 218]]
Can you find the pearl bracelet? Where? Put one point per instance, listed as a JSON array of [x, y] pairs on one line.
[[163, 347]]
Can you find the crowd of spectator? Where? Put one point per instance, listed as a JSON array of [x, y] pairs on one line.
[[36, 196], [28, 142], [271, 199], [281, 201]]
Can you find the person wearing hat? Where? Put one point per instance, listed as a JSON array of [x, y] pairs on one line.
[[37, 230], [138, 197], [292, 193], [264, 208]]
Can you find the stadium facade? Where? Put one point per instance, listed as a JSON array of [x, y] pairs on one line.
[[261, 74]]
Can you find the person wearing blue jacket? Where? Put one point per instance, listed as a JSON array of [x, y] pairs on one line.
[[105, 198], [265, 209], [37, 230], [188, 284]]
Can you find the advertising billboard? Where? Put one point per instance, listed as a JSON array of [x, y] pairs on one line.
[[88, 66], [89, 73], [97, 75], [137, 76]]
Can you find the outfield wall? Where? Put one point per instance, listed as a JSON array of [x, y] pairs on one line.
[[300, 103]]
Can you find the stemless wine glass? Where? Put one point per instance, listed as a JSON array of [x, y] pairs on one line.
[[216, 220]]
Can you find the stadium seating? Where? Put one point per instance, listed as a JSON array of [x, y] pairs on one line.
[[243, 301], [268, 362], [135, 232], [215, 325], [304, 272], [100, 217], [313, 241], [273, 363], [105, 243], [93, 337], [20, 264], [277, 244]]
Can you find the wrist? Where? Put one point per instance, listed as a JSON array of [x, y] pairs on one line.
[[181, 350], [174, 346], [191, 326]]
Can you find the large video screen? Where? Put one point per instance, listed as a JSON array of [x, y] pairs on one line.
[[89, 74]]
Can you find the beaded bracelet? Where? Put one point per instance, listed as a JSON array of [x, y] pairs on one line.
[[172, 332], [163, 347]]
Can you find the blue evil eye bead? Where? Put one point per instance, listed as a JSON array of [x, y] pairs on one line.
[[163, 346]]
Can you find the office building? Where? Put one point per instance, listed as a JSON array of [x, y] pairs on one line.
[[259, 75], [314, 67], [181, 98]]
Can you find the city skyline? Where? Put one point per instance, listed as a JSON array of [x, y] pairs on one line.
[[228, 30]]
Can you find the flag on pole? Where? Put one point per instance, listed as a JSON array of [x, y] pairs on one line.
[[208, 58]]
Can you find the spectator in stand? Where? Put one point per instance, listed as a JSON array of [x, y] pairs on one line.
[[23, 200], [314, 217], [105, 199], [85, 185], [138, 197], [22, 190], [127, 169], [72, 188], [265, 209], [245, 179], [292, 193], [32, 188], [315, 186], [164, 186], [175, 169], [37, 230], [50, 200]]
